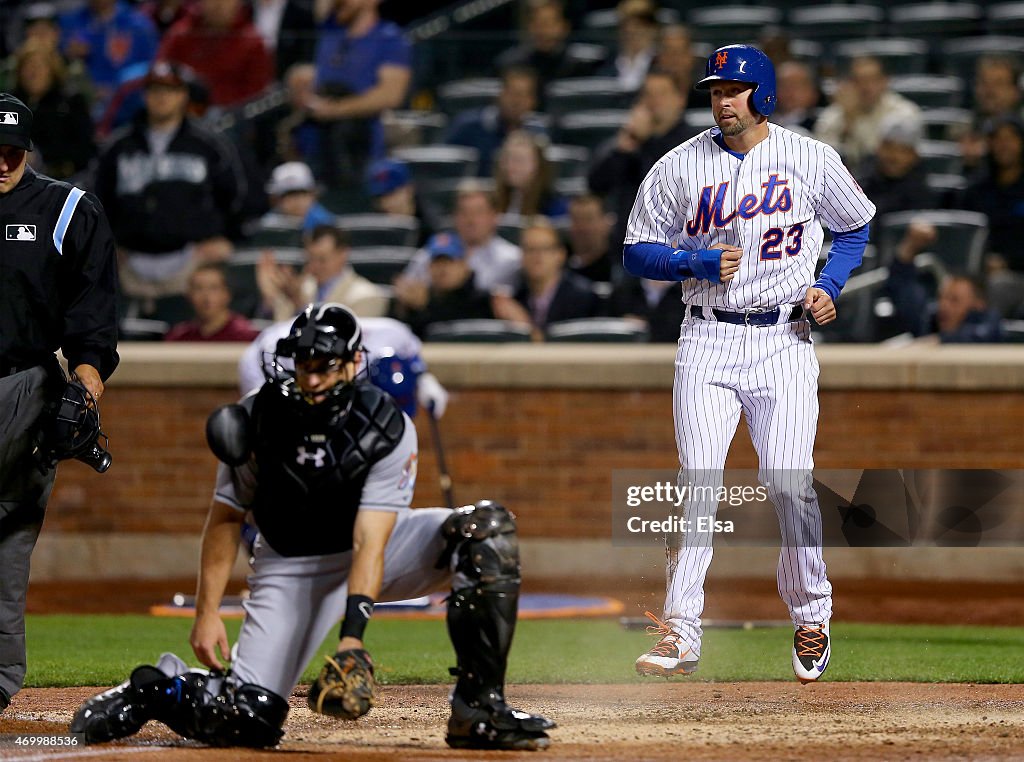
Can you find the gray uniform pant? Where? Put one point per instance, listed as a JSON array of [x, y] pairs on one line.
[[23, 495], [295, 602]]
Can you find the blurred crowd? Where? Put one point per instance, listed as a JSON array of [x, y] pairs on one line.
[[253, 155]]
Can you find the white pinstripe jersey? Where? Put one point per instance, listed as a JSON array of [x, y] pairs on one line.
[[772, 204]]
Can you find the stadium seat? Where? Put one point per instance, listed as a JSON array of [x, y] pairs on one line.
[[940, 157], [439, 162], [1013, 331], [275, 230], [241, 275], [936, 19], [731, 22], [483, 331], [959, 245], [142, 329], [567, 161], [842, 21], [946, 123], [380, 264], [930, 90], [409, 127], [598, 329], [171, 309], [947, 186], [858, 322], [465, 94], [443, 193], [379, 229], [699, 119], [1005, 18], [568, 96], [960, 56], [608, 18], [899, 55], [591, 129]]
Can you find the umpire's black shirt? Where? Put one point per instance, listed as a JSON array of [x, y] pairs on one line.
[[58, 277]]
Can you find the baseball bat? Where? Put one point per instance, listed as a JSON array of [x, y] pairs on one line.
[[442, 468]]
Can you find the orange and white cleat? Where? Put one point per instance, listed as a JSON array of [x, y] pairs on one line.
[[671, 655], [811, 652]]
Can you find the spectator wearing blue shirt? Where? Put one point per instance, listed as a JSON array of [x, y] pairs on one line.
[[363, 68], [485, 129], [116, 43]]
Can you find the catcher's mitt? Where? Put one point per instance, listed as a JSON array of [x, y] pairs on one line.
[[345, 687]]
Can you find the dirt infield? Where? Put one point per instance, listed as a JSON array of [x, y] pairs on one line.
[[657, 721]]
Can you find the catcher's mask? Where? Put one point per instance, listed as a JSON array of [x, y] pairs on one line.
[[327, 336], [70, 428]]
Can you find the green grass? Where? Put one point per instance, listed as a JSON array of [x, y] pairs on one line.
[[67, 650]]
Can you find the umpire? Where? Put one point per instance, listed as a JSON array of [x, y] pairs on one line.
[[59, 290]]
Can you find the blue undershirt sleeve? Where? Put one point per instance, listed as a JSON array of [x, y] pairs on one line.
[[656, 261], [846, 254]]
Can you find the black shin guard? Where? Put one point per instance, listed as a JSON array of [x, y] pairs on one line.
[[229, 715], [483, 606]]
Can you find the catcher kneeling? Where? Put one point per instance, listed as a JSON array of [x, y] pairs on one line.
[[325, 465]]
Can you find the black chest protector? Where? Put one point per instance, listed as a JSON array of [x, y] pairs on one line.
[[311, 467]]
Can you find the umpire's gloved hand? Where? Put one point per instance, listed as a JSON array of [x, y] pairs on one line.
[[431, 395]]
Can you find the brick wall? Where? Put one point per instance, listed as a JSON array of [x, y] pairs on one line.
[[547, 453]]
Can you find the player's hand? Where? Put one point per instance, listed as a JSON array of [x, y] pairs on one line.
[[90, 379], [431, 395], [820, 305], [730, 261], [208, 635]]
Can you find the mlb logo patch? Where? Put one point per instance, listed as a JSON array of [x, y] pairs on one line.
[[21, 232], [8, 117]]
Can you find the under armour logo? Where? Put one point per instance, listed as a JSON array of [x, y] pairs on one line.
[[722, 58], [742, 64], [318, 457], [366, 609]]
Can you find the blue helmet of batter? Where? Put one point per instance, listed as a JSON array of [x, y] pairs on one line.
[[397, 375], [747, 64]]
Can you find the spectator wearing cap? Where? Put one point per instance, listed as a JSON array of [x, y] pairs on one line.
[[390, 185], [453, 293], [495, 262], [210, 297], [115, 42], [363, 67], [485, 129], [548, 292], [172, 190], [221, 45], [894, 178], [293, 195], [63, 128], [638, 44], [327, 277]]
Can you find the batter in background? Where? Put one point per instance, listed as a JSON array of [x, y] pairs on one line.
[[736, 214]]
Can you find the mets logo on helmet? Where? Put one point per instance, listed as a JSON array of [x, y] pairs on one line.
[[721, 58]]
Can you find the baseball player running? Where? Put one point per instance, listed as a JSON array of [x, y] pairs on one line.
[[734, 214], [326, 464]]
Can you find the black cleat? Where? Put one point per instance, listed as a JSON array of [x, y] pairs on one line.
[[5, 700], [121, 711], [496, 726]]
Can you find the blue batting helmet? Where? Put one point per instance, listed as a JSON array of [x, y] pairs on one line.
[[747, 64], [397, 376]]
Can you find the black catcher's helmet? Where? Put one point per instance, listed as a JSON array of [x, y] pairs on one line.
[[70, 428], [324, 330]]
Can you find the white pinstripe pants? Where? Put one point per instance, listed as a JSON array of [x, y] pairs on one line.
[[771, 374]]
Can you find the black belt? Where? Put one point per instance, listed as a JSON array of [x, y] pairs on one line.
[[751, 317]]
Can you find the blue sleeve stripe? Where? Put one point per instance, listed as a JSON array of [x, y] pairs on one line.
[[70, 204]]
